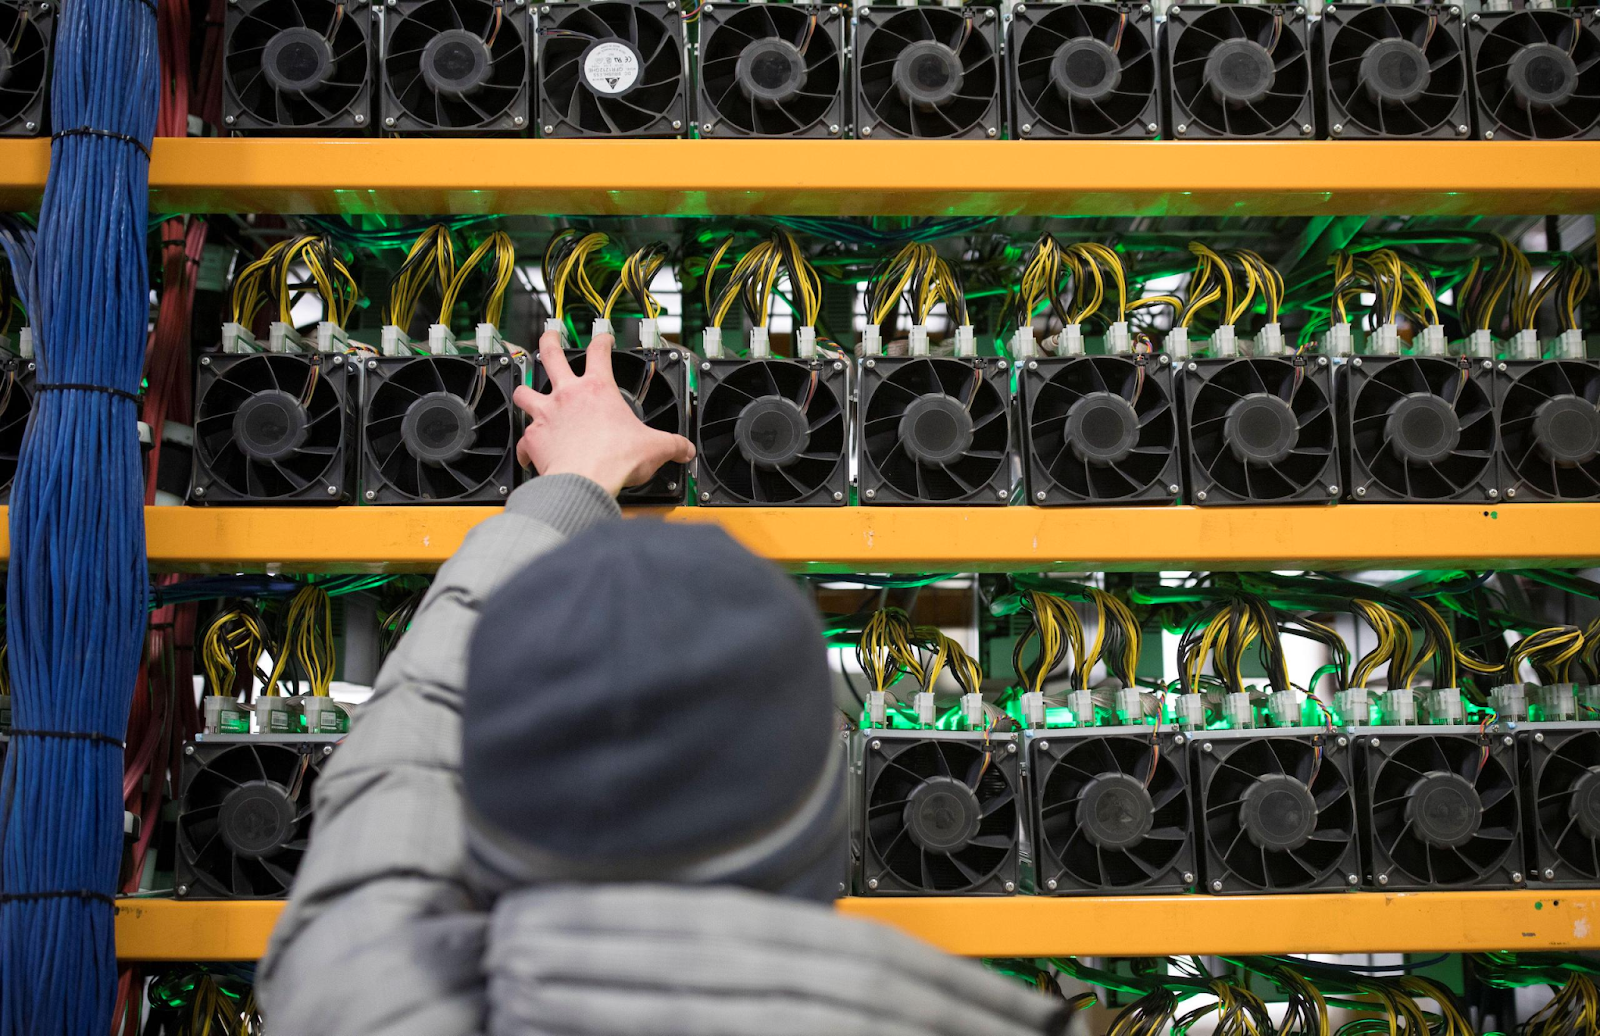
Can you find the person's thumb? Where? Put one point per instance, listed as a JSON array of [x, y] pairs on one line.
[[682, 449]]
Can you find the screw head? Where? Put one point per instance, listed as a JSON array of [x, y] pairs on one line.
[[1174, 9], [1549, 873], [871, 364], [517, 120], [1333, 490], [1501, 367], [1494, 494], [1206, 748], [1322, 361], [1383, 879], [548, 128], [1475, 19], [1051, 884], [837, 495], [1516, 877], [371, 494], [877, 745], [1341, 741], [708, 127], [1002, 365], [1506, 741], [1192, 366], [182, 890], [333, 490], [677, 124], [1001, 494], [866, 131], [990, 131], [833, 128], [870, 494], [1352, 879], [872, 883], [705, 496], [1033, 365], [1488, 134], [327, 750], [199, 491], [1178, 739], [1361, 491], [1337, 128], [838, 365], [1011, 886], [1180, 129], [360, 120], [1011, 749], [1216, 886], [372, 365], [1356, 362], [1463, 129], [1487, 365], [205, 361], [1188, 877], [1201, 496], [1374, 742], [188, 750], [1173, 489], [1026, 127], [1043, 745], [1538, 739], [389, 121], [1040, 496], [229, 119], [1151, 128], [506, 490], [705, 366], [1305, 129], [1511, 494], [505, 361]]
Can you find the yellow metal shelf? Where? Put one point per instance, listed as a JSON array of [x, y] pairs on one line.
[[926, 539], [850, 177], [1026, 926]]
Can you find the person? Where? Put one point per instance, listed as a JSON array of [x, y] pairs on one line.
[[599, 791]]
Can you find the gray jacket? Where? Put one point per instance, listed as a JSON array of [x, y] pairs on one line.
[[385, 933]]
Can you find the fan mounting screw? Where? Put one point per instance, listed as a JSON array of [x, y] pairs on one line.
[[1174, 9], [1026, 127], [1001, 494], [870, 494], [877, 745], [1216, 886], [838, 365], [1516, 877], [1033, 365], [1192, 367], [199, 491], [1051, 884], [705, 496], [990, 130], [1173, 490], [205, 361], [708, 127], [327, 750], [1494, 494], [1455, 10], [504, 490], [229, 119], [866, 131], [1011, 886], [871, 364], [1201, 496], [838, 495], [1353, 879], [1538, 739], [1511, 494], [1374, 742], [1488, 365], [1342, 741], [1178, 739], [1361, 491], [389, 122], [672, 5], [371, 494], [1206, 748], [1188, 877], [1305, 129], [676, 124], [360, 120], [705, 366], [333, 490], [1356, 362], [872, 883], [1040, 496], [372, 365], [1506, 741], [1181, 128], [1476, 19], [833, 128], [1322, 361], [988, 14], [1383, 879], [1011, 749], [188, 750], [1501, 368], [1299, 10], [1043, 745], [1333, 490], [1001, 365], [1463, 129], [517, 120], [1549, 872], [1488, 134], [549, 129], [1337, 128], [505, 361], [183, 890], [1144, 8], [1152, 129]]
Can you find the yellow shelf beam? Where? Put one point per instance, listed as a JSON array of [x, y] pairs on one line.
[[1026, 926], [926, 539], [855, 177]]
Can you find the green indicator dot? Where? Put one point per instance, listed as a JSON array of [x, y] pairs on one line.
[[1538, 905]]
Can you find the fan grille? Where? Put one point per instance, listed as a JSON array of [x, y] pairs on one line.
[[1084, 70], [610, 69], [934, 430], [1395, 71], [927, 72], [271, 428], [771, 431], [1421, 429], [1564, 805], [772, 70], [25, 31], [1100, 428], [1550, 429], [652, 382], [455, 66], [292, 64], [1537, 74], [1260, 431], [438, 428], [1239, 71]]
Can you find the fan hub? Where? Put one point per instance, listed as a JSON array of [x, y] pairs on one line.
[[270, 425], [936, 429], [1260, 429], [942, 814], [1567, 429], [256, 819], [770, 71], [438, 428], [927, 74], [297, 60], [1423, 428], [1086, 70], [1444, 809], [771, 432], [1542, 75], [1240, 72], [1585, 805], [456, 63], [611, 67], [1116, 811], [1102, 428], [1395, 71], [1278, 812]]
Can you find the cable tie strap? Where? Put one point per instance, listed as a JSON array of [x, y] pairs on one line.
[[64, 386], [90, 131], [70, 735], [34, 897]]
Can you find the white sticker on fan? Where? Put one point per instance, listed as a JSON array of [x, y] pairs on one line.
[[611, 68]]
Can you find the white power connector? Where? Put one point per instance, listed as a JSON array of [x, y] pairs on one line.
[[1385, 341], [918, 340], [966, 341], [711, 341], [1225, 341], [805, 342], [760, 343]]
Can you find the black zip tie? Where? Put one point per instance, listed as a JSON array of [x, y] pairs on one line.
[[64, 386], [32, 897], [90, 131], [70, 735]]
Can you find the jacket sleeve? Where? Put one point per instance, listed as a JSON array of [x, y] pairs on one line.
[[380, 934]]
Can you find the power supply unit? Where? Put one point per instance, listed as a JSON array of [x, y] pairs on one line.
[[1100, 429], [1536, 73], [1439, 808], [455, 67], [1560, 781], [1083, 70], [1549, 429], [27, 31], [17, 376], [244, 812], [934, 430], [1276, 810], [294, 66], [772, 431], [1110, 811], [438, 429], [1238, 71], [274, 428], [1416, 429], [771, 70], [1259, 430], [1393, 71], [611, 68], [940, 813], [928, 72], [655, 384]]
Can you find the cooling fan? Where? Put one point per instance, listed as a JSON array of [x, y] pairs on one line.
[[293, 65], [934, 430], [1394, 71], [927, 72], [25, 34], [16, 406], [273, 428], [1561, 794], [1084, 70], [609, 69], [438, 428], [1549, 415], [772, 70], [1259, 431], [1536, 74], [941, 814], [655, 385], [1239, 70], [455, 66], [244, 815], [1440, 811], [772, 432], [1277, 813], [1111, 813], [1100, 429], [1417, 429]]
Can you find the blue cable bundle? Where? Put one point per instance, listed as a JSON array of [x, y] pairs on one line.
[[77, 583]]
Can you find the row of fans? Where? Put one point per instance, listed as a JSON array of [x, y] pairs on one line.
[[618, 68], [1094, 429], [1102, 811]]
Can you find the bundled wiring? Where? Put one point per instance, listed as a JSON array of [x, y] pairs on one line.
[[638, 270], [880, 651], [430, 260], [77, 585], [231, 647], [1059, 633], [1568, 283], [1480, 292], [565, 266], [308, 639], [499, 255], [1211, 282]]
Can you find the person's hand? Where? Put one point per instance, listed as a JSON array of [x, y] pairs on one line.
[[585, 427]]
